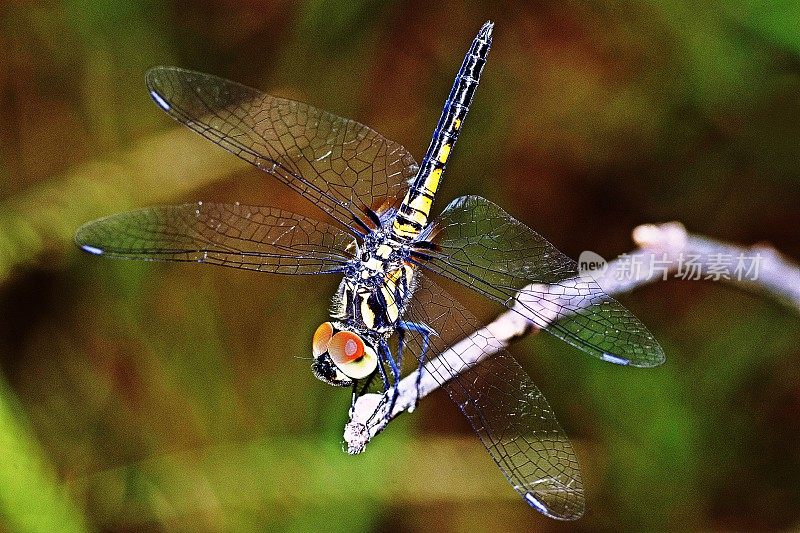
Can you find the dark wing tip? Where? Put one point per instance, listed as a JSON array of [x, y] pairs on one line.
[[617, 360], [91, 249], [658, 358], [188, 95], [567, 512], [154, 74], [655, 357], [156, 84], [84, 238], [166, 84]]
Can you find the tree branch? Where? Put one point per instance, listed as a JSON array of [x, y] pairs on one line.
[[664, 250]]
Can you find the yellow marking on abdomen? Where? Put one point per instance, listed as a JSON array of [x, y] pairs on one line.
[[432, 181], [457, 123], [418, 217], [421, 203], [404, 230], [444, 153]]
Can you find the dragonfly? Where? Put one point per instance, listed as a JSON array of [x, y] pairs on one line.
[[387, 248]]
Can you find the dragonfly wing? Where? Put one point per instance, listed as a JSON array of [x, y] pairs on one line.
[[504, 407], [255, 238], [342, 166], [481, 246]]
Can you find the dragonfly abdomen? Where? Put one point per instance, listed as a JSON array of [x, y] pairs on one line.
[[413, 214]]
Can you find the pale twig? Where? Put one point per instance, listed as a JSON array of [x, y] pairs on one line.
[[664, 251]]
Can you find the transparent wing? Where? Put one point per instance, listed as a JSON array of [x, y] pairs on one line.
[[338, 164], [254, 238], [502, 404], [481, 246]]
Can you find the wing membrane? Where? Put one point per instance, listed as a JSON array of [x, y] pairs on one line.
[[483, 247], [504, 407], [255, 238], [340, 165]]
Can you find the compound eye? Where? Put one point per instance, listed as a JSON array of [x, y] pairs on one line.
[[319, 344], [363, 367], [345, 347]]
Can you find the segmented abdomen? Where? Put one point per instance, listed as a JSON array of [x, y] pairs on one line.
[[412, 217]]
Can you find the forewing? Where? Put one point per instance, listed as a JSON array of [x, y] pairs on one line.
[[504, 407], [255, 238], [340, 165], [483, 247]]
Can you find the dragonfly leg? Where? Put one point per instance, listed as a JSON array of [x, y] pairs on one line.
[[355, 395], [426, 333], [387, 353], [401, 339], [384, 377], [368, 383]]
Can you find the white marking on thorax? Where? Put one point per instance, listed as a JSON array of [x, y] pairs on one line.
[[384, 251], [374, 264]]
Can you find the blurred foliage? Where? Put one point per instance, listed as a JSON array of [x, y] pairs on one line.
[[152, 397]]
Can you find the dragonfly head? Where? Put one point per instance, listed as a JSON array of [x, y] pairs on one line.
[[341, 356]]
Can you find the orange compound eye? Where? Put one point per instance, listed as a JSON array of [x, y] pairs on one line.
[[345, 347], [319, 345]]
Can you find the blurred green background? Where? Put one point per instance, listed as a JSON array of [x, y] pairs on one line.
[[148, 397]]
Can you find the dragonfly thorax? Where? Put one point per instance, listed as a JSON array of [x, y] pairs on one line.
[[377, 286], [379, 254]]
